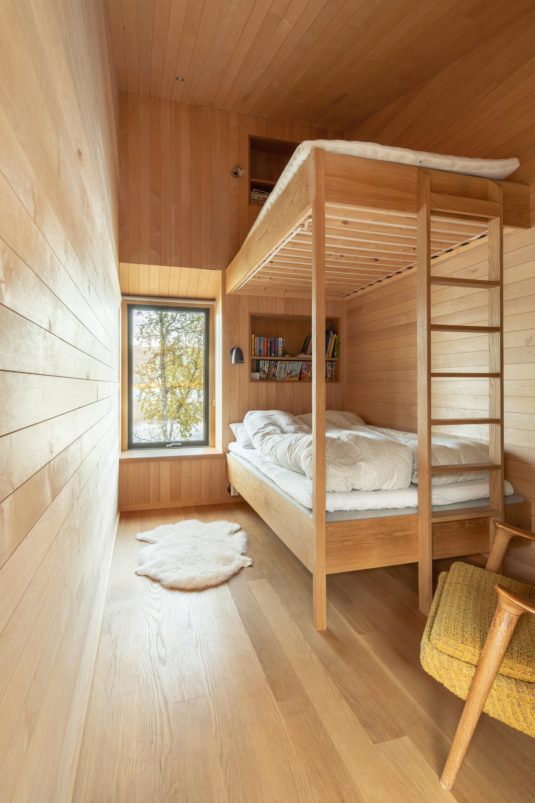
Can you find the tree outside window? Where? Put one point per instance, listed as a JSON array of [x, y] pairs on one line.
[[168, 376]]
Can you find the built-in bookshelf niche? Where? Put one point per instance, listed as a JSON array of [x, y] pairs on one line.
[[267, 160], [280, 348]]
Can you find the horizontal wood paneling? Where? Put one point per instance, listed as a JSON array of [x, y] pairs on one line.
[[59, 363], [381, 367], [179, 204], [381, 355], [323, 62], [381, 361]]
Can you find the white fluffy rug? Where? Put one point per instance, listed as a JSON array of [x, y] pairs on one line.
[[193, 554]]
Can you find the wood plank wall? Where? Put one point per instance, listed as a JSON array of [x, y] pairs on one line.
[[181, 210], [59, 297], [381, 356], [179, 205], [148, 482], [381, 369], [243, 395], [481, 105]]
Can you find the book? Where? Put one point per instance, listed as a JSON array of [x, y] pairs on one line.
[[268, 346], [291, 371], [331, 344], [258, 196]]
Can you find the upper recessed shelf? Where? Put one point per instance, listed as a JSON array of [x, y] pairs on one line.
[[267, 160]]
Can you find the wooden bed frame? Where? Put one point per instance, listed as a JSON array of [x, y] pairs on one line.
[[341, 224], [354, 544]]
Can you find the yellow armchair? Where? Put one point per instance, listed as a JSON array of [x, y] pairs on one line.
[[481, 652]]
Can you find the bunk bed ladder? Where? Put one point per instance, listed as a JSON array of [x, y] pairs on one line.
[[425, 327]]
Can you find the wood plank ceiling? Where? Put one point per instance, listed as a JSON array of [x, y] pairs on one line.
[[325, 62]]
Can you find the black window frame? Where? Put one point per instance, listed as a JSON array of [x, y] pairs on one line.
[[131, 309]]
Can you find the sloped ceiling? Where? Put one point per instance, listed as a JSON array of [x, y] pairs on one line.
[[332, 63]]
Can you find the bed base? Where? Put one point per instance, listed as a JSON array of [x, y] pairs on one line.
[[361, 543]]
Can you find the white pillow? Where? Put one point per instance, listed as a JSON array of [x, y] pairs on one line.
[[343, 420], [335, 418], [242, 437]]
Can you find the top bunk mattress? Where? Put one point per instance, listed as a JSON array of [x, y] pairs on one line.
[[485, 168]]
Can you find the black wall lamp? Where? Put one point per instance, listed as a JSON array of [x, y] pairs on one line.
[[236, 355]]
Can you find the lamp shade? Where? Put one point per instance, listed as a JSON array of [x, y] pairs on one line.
[[236, 355]]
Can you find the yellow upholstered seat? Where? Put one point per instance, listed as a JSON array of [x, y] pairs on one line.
[[458, 624], [479, 643], [464, 614]]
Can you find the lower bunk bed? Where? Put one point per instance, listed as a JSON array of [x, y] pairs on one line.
[[364, 539]]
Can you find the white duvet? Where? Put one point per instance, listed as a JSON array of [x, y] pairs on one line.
[[299, 488], [359, 457], [446, 450]]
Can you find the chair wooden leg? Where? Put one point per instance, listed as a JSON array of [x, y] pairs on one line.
[[501, 630], [499, 547]]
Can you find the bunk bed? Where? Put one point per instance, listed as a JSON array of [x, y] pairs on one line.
[[340, 220]]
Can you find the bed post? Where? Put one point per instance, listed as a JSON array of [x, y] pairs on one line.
[[423, 316], [318, 389], [496, 407]]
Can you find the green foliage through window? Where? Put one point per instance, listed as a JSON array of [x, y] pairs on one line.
[[168, 375]]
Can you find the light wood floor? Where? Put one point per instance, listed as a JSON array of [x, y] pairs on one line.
[[229, 695]]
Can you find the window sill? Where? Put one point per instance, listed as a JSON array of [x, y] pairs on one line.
[[169, 454]]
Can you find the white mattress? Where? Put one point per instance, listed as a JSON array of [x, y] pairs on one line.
[[299, 488], [486, 168]]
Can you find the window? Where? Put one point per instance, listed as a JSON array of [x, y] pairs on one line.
[[168, 376]]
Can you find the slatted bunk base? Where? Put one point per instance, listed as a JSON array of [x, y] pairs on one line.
[[363, 247]]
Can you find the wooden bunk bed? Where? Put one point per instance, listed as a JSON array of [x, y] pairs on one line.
[[343, 223]]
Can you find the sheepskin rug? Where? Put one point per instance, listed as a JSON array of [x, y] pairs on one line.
[[192, 555]]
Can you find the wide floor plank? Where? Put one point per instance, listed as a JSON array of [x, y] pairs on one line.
[[230, 695]]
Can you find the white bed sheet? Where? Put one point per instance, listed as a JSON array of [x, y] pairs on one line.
[[299, 488], [486, 168]]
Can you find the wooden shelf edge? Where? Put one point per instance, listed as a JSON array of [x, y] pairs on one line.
[[290, 381], [268, 181], [186, 453], [291, 359]]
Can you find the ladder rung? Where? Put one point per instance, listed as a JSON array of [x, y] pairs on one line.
[[452, 281], [459, 375], [447, 422], [465, 513], [461, 468], [444, 327]]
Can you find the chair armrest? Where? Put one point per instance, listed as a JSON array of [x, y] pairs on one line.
[[514, 603], [503, 534], [514, 531]]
